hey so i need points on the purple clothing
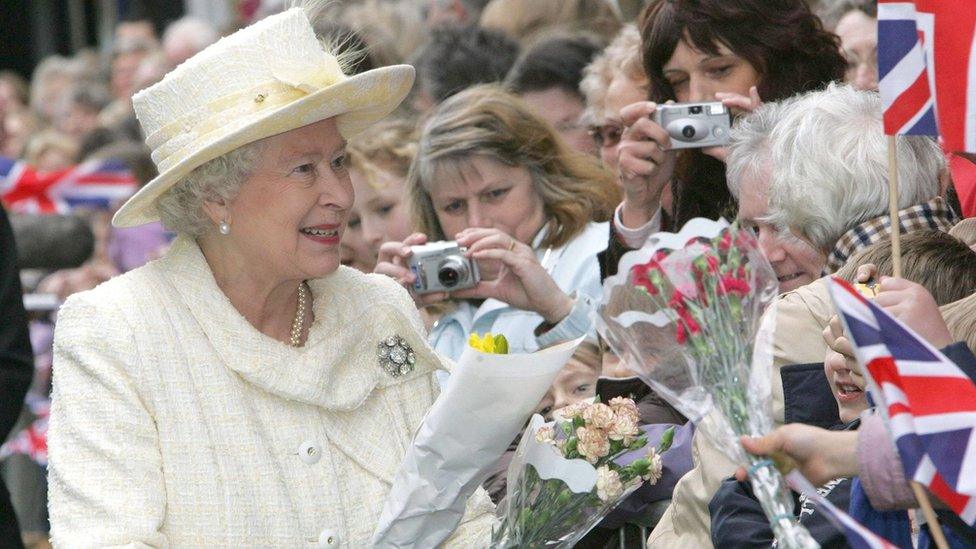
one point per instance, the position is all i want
(132, 247)
(882, 474)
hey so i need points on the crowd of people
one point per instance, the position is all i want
(204, 351)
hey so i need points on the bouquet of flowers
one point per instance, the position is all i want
(479, 412)
(569, 473)
(686, 314)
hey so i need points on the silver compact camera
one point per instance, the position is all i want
(442, 267)
(695, 125)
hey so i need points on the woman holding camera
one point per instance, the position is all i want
(529, 210)
(704, 51)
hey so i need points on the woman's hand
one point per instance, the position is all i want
(738, 104)
(392, 261)
(820, 455)
(645, 164)
(914, 305)
(521, 281)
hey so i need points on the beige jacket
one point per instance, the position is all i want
(801, 316)
(175, 423)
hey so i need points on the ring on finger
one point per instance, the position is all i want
(511, 245)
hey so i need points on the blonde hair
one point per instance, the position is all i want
(488, 121)
(941, 263)
(389, 145)
(589, 354)
(525, 20)
(960, 317)
(622, 56)
(965, 230)
(392, 31)
(46, 140)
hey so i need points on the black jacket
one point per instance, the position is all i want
(738, 519)
(16, 363)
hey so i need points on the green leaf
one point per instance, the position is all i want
(666, 440)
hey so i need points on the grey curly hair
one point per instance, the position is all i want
(181, 207)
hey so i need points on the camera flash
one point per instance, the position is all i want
(716, 109)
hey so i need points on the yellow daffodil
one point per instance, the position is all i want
(492, 344)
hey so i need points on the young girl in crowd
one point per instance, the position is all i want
(378, 164)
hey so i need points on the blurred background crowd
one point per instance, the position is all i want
(548, 90)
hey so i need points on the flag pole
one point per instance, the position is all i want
(920, 495)
(893, 206)
(935, 529)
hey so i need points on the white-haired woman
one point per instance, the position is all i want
(232, 392)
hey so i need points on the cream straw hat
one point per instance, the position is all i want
(268, 78)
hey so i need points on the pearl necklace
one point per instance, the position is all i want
(299, 323)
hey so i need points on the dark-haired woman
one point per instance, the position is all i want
(710, 50)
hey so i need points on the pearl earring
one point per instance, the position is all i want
(224, 228)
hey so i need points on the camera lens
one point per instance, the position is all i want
(688, 131)
(451, 272)
(697, 109)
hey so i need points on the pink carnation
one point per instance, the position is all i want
(592, 444)
(622, 406)
(598, 416)
(572, 411)
(623, 429)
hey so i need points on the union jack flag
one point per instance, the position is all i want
(96, 183)
(858, 537)
(903, 75)
(927, 69)
(31, 440)
(910, 381)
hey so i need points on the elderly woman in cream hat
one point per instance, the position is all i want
(232, 392)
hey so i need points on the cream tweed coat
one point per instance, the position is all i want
(175, 423)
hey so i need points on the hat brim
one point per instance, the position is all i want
(357, 102)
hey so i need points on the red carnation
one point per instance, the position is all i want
(731, 285)
(725, 243)
(679, 334)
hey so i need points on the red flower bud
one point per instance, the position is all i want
(725, 242)
(731, 285)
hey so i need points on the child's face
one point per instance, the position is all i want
(575, 382)
(847, 387)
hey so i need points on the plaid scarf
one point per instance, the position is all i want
(934, 214)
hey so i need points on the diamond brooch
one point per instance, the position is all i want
(396, 357)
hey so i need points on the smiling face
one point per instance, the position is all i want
(289, 215)
(697, 76)
(847, 387)
(796, 262)
(489, 194)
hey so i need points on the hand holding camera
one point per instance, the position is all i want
(645, 163)
(482, 263)
(516, 277)
(393, 260)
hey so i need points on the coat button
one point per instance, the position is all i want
(310, 452)
(328, 538)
